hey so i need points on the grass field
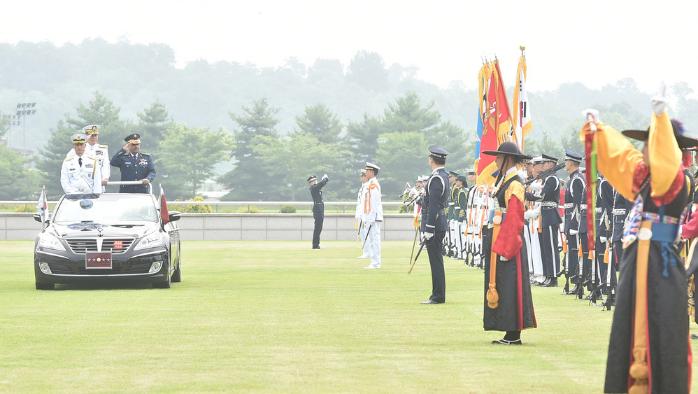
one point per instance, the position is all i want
(263, 316)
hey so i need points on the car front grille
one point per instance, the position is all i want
(138, 265)
(82, 245)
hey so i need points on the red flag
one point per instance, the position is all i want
(164, 213)
(489, 135)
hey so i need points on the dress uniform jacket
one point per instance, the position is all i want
(81, 174)
(134, 167)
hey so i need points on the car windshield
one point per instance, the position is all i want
(107, 209)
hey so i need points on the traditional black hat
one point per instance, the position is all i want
(311, 178)
(133, 138)
(683, 140)
(573, 156)
(438, 152)
(507, 149)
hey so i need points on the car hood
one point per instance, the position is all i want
(125, 230)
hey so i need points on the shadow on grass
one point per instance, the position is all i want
(105, 285)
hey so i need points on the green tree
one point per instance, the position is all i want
(402, 157)
(100, 111)
(367, 69)
(203, 150)
(4, 125)
(319, 121)
(248, 179)
(17, 179)
(153, 122)
(302, 155)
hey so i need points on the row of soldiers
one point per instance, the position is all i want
(555, 230)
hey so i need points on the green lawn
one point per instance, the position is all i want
(263, 316)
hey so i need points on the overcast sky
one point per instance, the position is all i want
(594, 42)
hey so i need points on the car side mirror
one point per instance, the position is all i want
(174, 216)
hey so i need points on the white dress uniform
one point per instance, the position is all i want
(531, 234)
(373, 218)
(359, 219)
(101, 153)
(81, 174)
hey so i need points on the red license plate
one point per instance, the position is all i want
(98, 260)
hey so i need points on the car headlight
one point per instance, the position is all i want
(149, 241)
(48, 241)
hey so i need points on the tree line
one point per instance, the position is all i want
(255, 161)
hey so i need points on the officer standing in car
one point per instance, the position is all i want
(134, 165)
(80, 172)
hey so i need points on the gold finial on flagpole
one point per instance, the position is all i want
(523, 49)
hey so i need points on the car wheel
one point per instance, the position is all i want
(177, 275)
(44, 286)
(165, 283)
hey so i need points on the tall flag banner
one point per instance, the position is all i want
(522, 115)
(42, 205)
(488, 135)
(164, 212)
(502, 118)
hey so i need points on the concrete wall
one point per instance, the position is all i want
(240, 227)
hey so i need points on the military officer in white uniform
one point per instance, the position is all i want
(372, 216)
(80, 172)
(99, 151)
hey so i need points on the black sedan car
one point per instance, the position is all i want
(116, 236)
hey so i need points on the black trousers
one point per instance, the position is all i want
(436, 261)
(548, 251)
(573, 256)
(319, 216)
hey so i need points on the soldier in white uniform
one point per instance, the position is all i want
(372, 216)
(100, 151)
(80, 172)
(359, 214)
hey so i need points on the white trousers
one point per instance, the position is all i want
(372, 248)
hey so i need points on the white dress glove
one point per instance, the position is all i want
(427, 236)
(574, 232)
(659, 103)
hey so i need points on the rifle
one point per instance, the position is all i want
(546, 174)
(414, 242)
(366, 238)
(421, 246)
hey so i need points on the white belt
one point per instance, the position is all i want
(568, 205)
(548, 204)
(619, 211)
(599, 210)
(582, 206)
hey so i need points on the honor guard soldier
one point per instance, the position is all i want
(449, 239)
(461, 210)
(508, 301)
(80, 172)
(550, 220)
(318, 206)
(372, 216)
(602, 217)
(434, 223)
(576, 223)
(134, 165)
(649, 350)
(358, 216)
